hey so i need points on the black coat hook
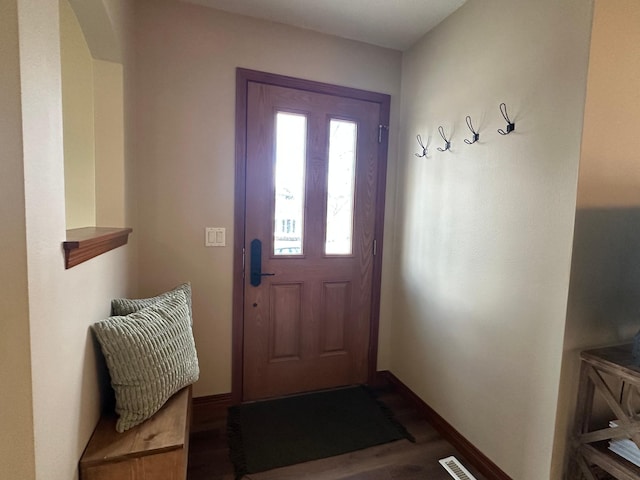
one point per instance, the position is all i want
(476, 135)
(510, 125)
(447, 143)
(425, 150)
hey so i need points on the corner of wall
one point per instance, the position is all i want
(17, 450)
(603, 303)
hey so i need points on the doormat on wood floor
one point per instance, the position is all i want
(276, 433)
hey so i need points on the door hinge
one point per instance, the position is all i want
(375, 247)
(380, 128)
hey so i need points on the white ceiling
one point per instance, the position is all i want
(396, 24)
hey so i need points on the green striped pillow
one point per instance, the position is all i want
(150, 355)
(126, 306)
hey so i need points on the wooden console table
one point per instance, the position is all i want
(591, 446)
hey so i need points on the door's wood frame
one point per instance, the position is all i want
(243, 77)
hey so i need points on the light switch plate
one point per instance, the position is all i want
(215, 237)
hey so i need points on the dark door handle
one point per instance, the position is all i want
(256, 263)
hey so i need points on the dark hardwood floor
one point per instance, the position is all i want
(401, 460)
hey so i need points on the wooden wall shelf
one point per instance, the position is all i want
(83, 244)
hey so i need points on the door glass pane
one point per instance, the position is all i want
(341, 187)
(291, 141)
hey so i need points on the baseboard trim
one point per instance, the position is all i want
(222, 400)
(209, 410)
(464, 446)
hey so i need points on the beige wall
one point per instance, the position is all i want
(108, 99)
(185, 61)
(105, 24)
(604, 303)
(93, 125)
(609, 166)
(78, 123)
(55, 377)
(484, 231)
(17, 457)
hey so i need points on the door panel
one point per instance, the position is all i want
(285, 322)
(336, 302)
(311, 180)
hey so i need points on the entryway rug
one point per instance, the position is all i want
(276, 433)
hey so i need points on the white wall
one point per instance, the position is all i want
(93, 127)
(108, 98)
(184, 107)
(55, 375)
(484, 243)
(78, 122)
(604, 304)
(17, 457)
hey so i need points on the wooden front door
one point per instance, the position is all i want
(311, 207)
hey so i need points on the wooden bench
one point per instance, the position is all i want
(156, 449)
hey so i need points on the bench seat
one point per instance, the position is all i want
(157, 449)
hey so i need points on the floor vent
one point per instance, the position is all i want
(455, 469)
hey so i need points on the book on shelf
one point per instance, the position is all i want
(625, 447)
